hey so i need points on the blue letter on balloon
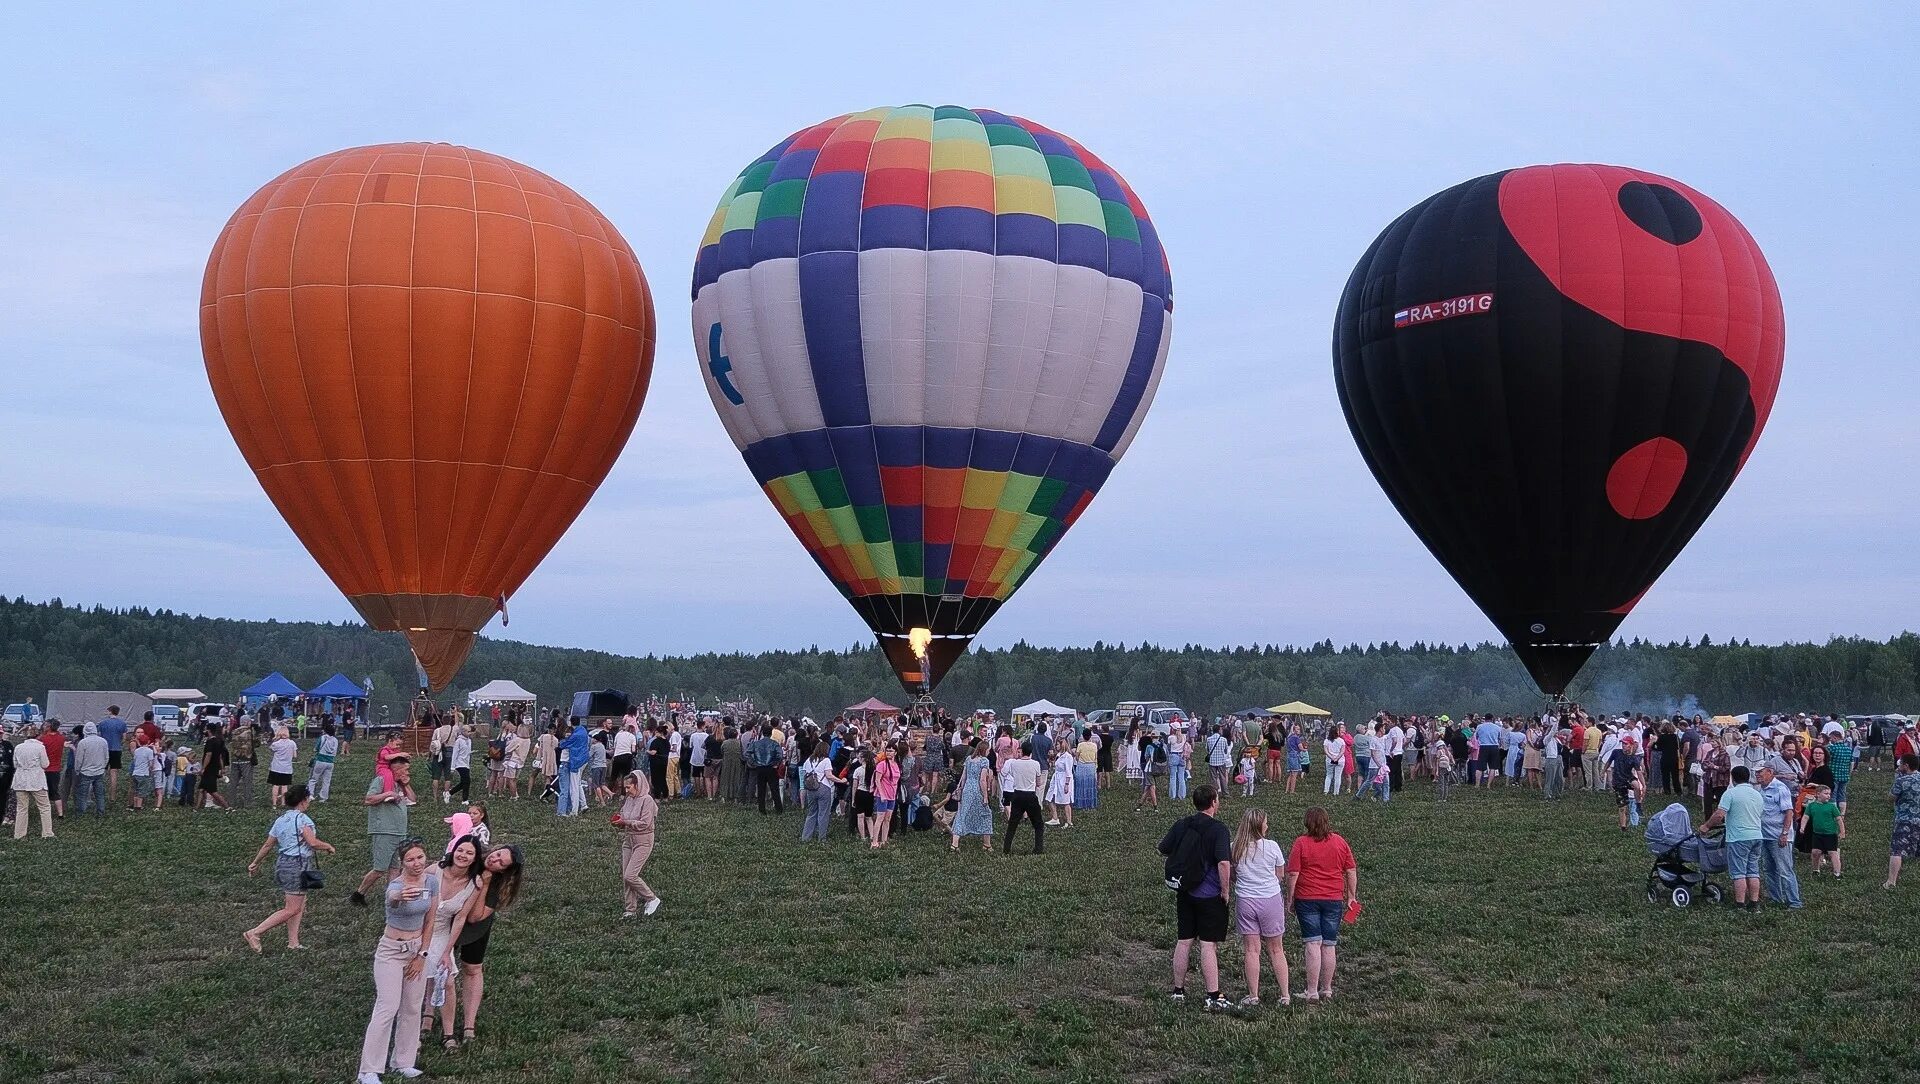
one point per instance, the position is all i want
(720, 366)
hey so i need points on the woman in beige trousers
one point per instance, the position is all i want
(399, 968)
(635, 823)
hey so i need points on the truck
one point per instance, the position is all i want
(75, 706)
(1157, 715)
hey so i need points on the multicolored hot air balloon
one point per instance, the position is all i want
(931, 332)
(430, 356)
(1555, 373)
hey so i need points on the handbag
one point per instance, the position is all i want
(312, 880)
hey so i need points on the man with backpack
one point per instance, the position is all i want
(1199, 870)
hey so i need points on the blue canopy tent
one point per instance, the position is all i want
(274, 684)
(335, 693)
(339, 686)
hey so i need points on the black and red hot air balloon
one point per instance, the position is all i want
(1556, 373)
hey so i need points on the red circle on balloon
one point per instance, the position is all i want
(1642, 482)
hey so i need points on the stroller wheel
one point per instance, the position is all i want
(1713, 893)
(1653, 892)
(1681, 896)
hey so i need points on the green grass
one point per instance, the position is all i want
(1504, 940)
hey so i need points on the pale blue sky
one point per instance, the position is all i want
(1270, 150)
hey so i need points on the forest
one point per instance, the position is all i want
(50, 645)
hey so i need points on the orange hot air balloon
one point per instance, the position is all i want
(430, 356)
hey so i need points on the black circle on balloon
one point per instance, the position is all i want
(1661, 211)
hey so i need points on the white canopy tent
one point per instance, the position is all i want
(177, 694)
(1045, 708)
(501, 691)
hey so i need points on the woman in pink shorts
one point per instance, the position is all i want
(1260, 908)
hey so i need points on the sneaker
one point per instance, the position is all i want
(409, 1072)
(367, 1078)
(628, 914)
(1251, 1001)
(652, 906)
(1178, 997)
(1055, 823)
(1219, 1003)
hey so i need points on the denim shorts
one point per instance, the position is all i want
(1319, 920)
(1743, 858)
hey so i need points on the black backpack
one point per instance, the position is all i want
(1186, 865)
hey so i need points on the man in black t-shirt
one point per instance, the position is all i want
(213, 761)
(1201, 850)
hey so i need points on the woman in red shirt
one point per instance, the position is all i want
(1322, 883)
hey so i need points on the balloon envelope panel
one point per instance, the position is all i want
(1555, 373)
(430, 357)
(931, 332)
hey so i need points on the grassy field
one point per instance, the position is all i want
(1504, 940)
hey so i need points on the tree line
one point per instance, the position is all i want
(50, 645)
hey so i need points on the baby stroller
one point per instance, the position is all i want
(1682, 859)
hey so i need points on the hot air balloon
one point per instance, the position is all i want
(1555, 373)
(430, 356)
(931, 332)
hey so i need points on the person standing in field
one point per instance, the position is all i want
(497, 885)
(1322, 885)
(1334, 749)
(1628, 780)
(1260, 911)
(326, 750)
(241, 741)
(975, 815)
(213, 761)
(460, 757)
(387, 800)
(1179, 761)
(1022, 776)
(280, 764)
(114, 730)
(1741, 809)
(293, 837)
(1904, 843)
(637, 822)
(399, 969)
(1199, 852)
(54, 744)
(1822, 821)
(519, 747)
(1776, 826)
(141, 783)
(90, 760)
(30, 790)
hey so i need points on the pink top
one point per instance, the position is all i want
(886, 780)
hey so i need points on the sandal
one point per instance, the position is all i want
(466, 1036)
(450, 1043)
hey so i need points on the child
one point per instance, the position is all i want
(380, 758)
(482, 831)
(1442, 767)
(1245, 778)
(186, 768)
(1382, 777)
(1827, 826)
(163, 767)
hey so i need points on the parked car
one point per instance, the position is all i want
(1099, 716)
(19, 715)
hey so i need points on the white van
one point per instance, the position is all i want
(1157, 715)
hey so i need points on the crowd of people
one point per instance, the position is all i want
(1779, 790)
